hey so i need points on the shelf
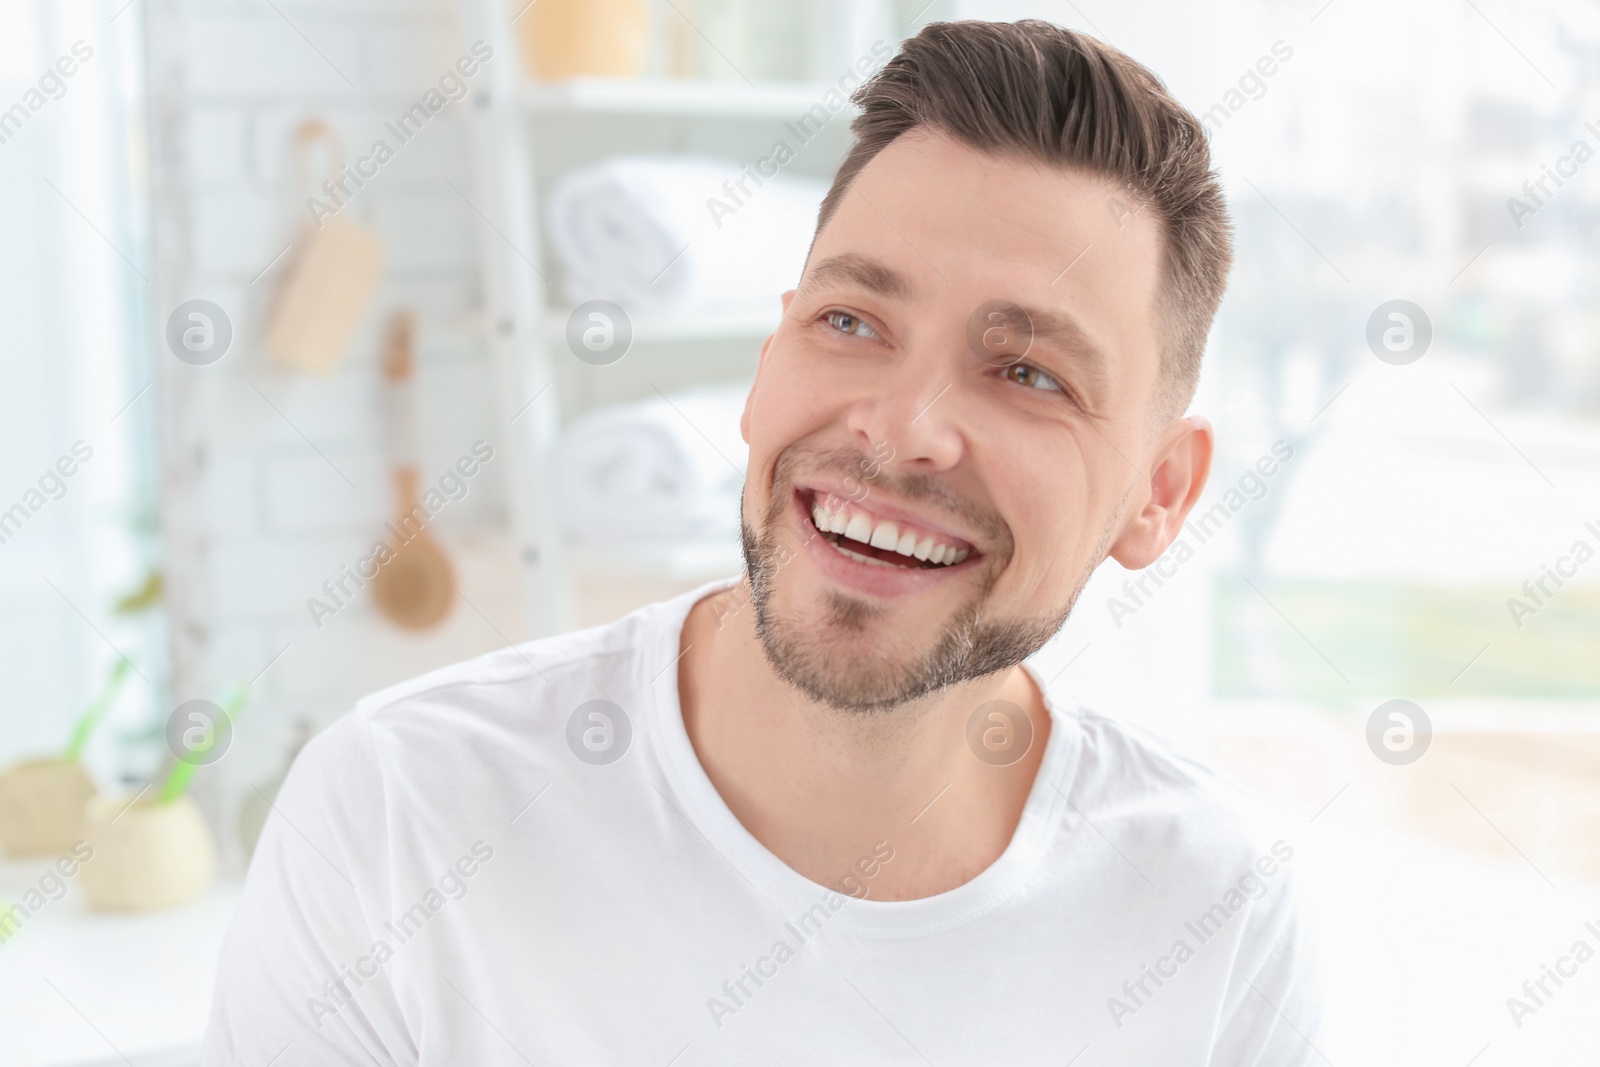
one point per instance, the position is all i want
(674, 96)
(145, 977)
(673, 328)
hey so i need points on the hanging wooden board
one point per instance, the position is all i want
(330, 281)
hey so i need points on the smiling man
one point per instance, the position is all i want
(827, 813)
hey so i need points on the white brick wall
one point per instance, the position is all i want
(256, 519)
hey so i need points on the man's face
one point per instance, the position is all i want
(891, 407)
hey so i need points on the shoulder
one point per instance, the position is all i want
(524, 677)
(486, 724)
(1223, 872)
(1196, 823)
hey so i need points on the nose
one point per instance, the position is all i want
(910, 419)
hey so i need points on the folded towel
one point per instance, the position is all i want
(661, 233)
(669, 469)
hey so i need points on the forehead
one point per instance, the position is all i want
(960, 227)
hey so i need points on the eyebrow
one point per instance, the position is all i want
(854, 268)
(1066, 336)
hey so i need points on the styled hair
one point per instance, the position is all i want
(1039, 91)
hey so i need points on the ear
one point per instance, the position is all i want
(744, 419)
(750, 398)
(1180, 464)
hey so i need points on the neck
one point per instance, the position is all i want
(832, 792)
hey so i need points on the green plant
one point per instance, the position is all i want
(98, 708)
(178, 778)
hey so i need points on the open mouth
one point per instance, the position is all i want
(857, 533)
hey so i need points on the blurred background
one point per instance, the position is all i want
(473, 290)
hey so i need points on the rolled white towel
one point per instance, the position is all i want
(661, 233)
(661, 470)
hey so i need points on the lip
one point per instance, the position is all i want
(899, 516)
(869, 579)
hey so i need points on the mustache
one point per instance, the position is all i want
(794, 463)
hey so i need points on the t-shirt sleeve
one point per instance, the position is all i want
(297, 982)
(1272, 1009)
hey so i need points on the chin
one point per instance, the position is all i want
(842, 652)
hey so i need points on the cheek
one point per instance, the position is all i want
(1046, 504)
(788, 405)
(770, 433)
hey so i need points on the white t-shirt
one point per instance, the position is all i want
(482, 866)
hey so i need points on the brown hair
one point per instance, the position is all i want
(1038, 90)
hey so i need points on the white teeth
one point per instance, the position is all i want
(882, 534)
(863, 559)
(859, 528)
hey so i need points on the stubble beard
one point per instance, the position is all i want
(833, 665)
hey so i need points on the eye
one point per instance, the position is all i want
(1032, 377)
(854, 325)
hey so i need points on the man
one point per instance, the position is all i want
(826, 814)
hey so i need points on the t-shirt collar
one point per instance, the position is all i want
(792, 891)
